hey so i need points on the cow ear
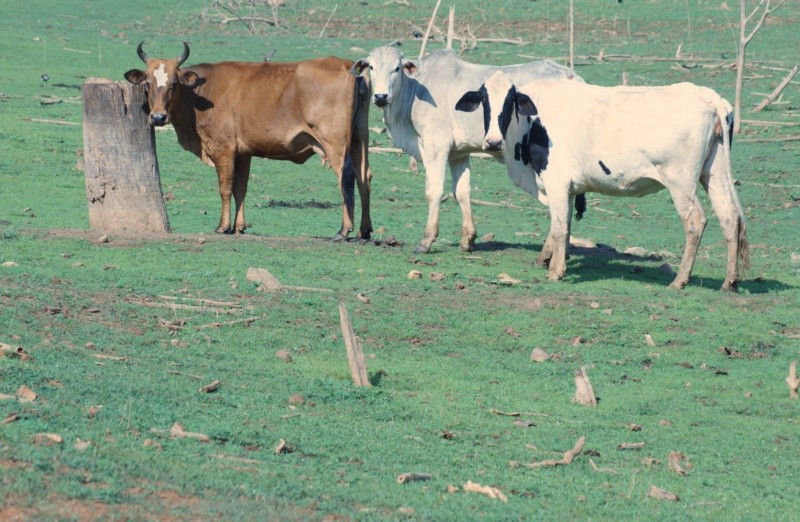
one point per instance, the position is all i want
(525, 106)
(410, 68)
(469, 102)
(358, 67)
(136, 76)
(188, 78)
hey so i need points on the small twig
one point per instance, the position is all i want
(408, 477)
(175, 372)
(327, 22)
(246, 321)
(54, 122)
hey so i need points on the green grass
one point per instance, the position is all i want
(441, 354)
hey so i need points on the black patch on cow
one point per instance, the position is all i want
(534, 148)
(580, 206)
(509, 110)
(605, 169)
(487, 112)
(538, 146)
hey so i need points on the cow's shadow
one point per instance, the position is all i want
(603, 262)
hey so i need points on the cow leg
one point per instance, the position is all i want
(434, 188)
(727, 208)
(554, 250)
(241, 175)
(225, 174)
(364, 182)
(345, 174)
(460, 171)
(694, 222)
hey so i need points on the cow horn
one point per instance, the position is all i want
(182, 58)
(141, 53)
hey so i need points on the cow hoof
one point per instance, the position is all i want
(222, 230)
(678, 285)
(364, 234)
(730, 286)
(422, 249)
(339, 237)
(467, 247)
(555, 277)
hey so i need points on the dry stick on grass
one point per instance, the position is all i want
(355, 356)
(248, 321)
(177, 432)
(793, 381)
(404, 478)
(489, 491)
(327, 22)
(769, 99)
(568, 457)
(428, 30)
(584, 393)
(54, 122)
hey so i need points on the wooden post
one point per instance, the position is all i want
(355, 355)
(123, 186)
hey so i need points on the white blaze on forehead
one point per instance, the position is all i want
(161, 76)
(497, 87)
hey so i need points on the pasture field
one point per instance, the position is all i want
(112, 368)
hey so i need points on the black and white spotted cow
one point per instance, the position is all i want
(573, 137)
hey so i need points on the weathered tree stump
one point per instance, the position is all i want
(123, 185)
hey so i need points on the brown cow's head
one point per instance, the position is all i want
(161, 80)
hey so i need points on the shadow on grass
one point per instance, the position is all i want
(587, 264)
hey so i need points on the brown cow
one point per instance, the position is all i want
(228, 112)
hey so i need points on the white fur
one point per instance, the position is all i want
(422, 120)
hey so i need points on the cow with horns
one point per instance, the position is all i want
(225, 113)
(620, 141)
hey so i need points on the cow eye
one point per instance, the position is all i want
(397, 69)
(371, 68)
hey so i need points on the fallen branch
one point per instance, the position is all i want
(505, 414)
(210, 387)
(404, 478)
(248, 321)
(568, 457)
(355, 355)
(769, 99)
(177, 432)
(179, 306)
(54, 122)
(494, 204)
(327, 22)
(795, 137)
(489, 491)
(175, 372)
(598, 469)
(209, 302)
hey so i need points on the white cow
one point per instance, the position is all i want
(418, 98)
(622, 141)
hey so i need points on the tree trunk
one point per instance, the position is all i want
(123, 185)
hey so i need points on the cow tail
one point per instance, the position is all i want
(725, 115)
(349, 169)
(580, 206)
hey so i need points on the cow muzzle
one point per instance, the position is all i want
(493, 145)
(158, 118)
(381, 100)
